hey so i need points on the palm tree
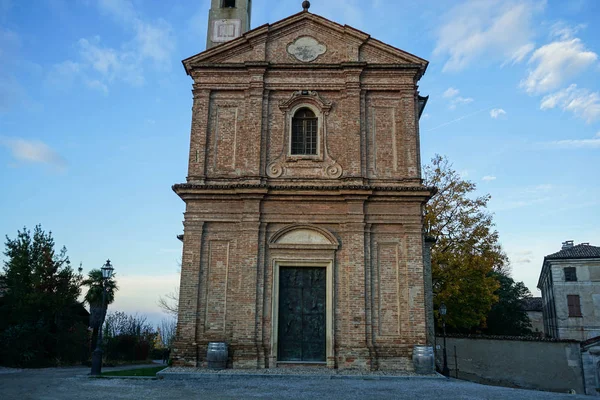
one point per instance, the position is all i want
(94, 298)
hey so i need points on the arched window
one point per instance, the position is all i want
(304, 132)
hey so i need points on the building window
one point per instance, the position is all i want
(570, 274)
(574, 305)
(228, 4)
(304, 133)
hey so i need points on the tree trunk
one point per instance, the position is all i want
(94, 339)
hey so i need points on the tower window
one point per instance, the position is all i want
(228, 4)
(304, 132)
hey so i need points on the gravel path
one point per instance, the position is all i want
(304, 371)
(72, 383)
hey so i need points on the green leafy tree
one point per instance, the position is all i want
(466, 249)
(93, 297)
(40, 317)
(507, 316)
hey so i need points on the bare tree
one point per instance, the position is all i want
(169, 303)
(167, 328)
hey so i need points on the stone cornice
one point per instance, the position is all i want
(180, 188)
(268, 65)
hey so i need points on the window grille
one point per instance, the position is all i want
(304, 133)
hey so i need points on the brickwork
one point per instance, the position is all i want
(355, 207)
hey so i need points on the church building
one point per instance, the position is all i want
(303, 236)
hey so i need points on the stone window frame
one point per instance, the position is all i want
(570, 274)
(312, 101)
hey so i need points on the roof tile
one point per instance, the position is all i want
(578, 251)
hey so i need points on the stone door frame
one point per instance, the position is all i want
(329, 336)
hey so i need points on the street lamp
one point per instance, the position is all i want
(107, 271)
(443, 310)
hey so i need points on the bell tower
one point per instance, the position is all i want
(227, 20)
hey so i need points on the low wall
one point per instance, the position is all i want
(542, 365)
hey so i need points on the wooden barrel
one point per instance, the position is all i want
(216, 355)
(423, 359)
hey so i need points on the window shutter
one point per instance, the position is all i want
(574, 305)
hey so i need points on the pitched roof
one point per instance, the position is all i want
(532, 304)
(266, 29)
(583, 250)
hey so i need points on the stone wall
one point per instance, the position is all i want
(590, 359)
(543, 365)
(587, 287)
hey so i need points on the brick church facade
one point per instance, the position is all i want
(303, 225)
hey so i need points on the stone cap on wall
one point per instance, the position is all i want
(502, 337)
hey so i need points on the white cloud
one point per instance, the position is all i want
(544, 187)
(458, 101)
(563, 31)
(520, 54)
(555, 63)
(104, 60)
(109, 64)
(598, 135)
(122, 10)
(455, 100)
(497, 112)
(153, 41)
(450, 92)
(33, 151)
(576, 143)
(493, 30)
(97, 85)
(100, 65)
(581, 102)
(488, 178)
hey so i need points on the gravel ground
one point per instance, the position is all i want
(72, 383)
(322, 371)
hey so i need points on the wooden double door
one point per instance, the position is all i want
(302, 318)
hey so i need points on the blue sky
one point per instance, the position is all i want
(95, 110)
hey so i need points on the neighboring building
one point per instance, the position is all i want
(303, 225)
(533, 308)
(570, 285)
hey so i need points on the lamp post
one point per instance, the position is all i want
(107, 270)
(443, 311)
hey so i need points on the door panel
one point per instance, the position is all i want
(302, 314)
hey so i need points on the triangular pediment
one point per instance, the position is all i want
(304, 38)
